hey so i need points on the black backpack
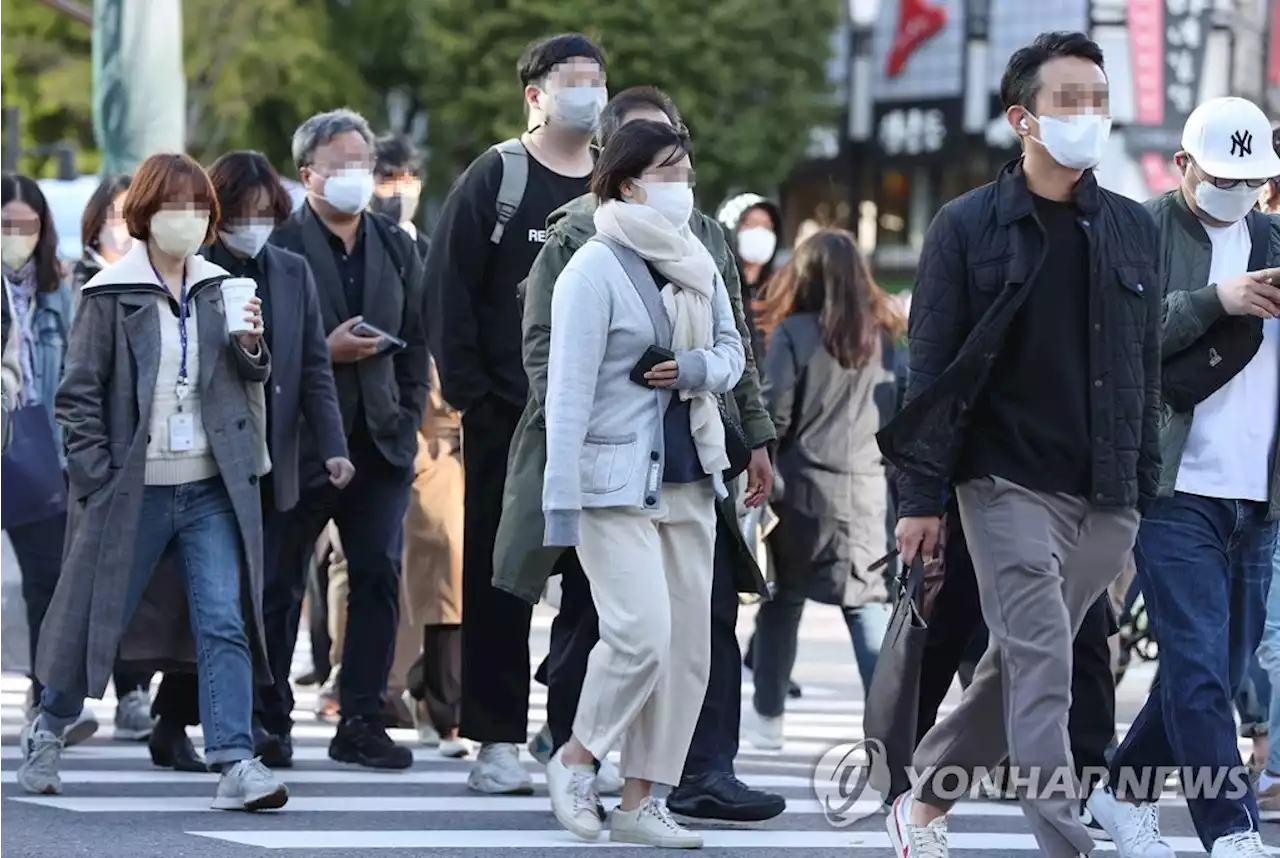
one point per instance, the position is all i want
(1197, 372)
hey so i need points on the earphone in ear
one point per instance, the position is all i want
(1023, 124)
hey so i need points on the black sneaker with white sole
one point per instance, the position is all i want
(364, 742)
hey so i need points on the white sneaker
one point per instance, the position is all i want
(82, 729)
(911, 840)
(608, 779)
(768, 734)
(428, 736)
(498, 771)
(1134, 828)
(41, 754)
(249, 785)
(1246, 844)
(573, 797)
(455, 748)
(133, 717)
(650, 824)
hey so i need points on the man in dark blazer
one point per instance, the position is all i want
(369, 280)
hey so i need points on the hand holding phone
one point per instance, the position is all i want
(652, 360)
(386, 342)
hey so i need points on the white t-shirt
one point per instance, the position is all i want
(1233, 431)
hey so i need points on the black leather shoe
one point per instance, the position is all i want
(723, 798)
(171, 749)
(365, 742)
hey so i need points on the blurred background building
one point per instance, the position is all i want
(924, 123)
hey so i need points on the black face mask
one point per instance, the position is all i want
(399, 207)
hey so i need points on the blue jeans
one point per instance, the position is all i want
(777, 629)
(1204, 566)
(1253, 700)
(200, 519)
(1269, 658)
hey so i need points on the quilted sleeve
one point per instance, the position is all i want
(1149, 462)
(936, 330)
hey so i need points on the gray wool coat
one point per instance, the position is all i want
(104, 405)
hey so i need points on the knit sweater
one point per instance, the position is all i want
(166, 467)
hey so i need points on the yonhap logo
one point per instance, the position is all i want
(843, 778)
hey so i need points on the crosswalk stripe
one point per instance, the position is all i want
(552, 839)
(426, 804)
(441, 777)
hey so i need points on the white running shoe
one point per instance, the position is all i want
(573, 796)
(133, 717)
(41, 755)
(1246, 844)
(498, 771)
(767, 736)
(651, 824)
(915, 841)
(249, 785)
(1134, 828)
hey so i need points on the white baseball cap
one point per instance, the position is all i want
(1230, 138)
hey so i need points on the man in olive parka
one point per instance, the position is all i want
(522, 564)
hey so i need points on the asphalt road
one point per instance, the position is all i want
(116, 804)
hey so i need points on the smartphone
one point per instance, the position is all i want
(652, 356)
(390, 343)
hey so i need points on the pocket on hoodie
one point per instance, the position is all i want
(606, 462)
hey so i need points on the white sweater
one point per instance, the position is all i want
(166, 467)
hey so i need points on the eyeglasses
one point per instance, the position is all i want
(1228, 184)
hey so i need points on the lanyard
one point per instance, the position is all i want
(183, 382)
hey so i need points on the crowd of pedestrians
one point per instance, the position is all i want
(251, 412)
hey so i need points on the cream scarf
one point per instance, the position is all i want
(681, 258)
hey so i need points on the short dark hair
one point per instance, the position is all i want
(98, 207)
(631, 151)
(540, 57)
(395, 154)
(636, 98)
(23, 189)
(1021, 82)
(236, 176)
(160, 180)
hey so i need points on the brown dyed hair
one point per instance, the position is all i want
(99, 205)
(168, 178)
(828, 276)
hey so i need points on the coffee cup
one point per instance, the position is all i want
(236, 292)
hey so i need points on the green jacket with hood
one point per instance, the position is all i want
(1191, 306)
(522, 564)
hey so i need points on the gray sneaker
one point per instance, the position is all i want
(249, 785)
(41, 753)
(133, 717)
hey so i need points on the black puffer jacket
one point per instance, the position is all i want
(982, 252)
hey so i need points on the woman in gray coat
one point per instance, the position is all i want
(155, 407)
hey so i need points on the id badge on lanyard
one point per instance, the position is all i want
(182, 423)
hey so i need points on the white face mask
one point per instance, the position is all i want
(756, 244)
(179, 233)
(349, 190)
(1076, 142)
(1226, 204)
(114, 241)
(247, 239)
(16, 249)
(579, 107)
(672, 200)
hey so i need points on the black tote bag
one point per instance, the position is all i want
(893, 700)
(34, 485)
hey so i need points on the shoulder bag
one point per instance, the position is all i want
(1197, 372)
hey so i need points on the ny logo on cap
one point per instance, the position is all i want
(1241, 144)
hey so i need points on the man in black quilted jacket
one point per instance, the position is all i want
(1033, 395)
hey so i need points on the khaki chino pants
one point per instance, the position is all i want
(650, 576)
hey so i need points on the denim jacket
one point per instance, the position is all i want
(51, 327)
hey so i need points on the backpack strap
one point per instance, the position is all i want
(515, 175)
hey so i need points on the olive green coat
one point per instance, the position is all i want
(521, 563)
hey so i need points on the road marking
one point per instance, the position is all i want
(314, 841)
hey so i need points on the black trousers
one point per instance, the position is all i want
(177, 701)
(369, 514)
(436, 678)
(317, 589)
(495, 634)
(575, 631)
(956, 630)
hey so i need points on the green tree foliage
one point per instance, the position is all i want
(45, 72)
(749, 77)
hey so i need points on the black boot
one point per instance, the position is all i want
(276, 751)
(171, 749)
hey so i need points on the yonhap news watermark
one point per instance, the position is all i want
(855, 780)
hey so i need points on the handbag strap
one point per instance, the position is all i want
(911, 581)
(1260, 235)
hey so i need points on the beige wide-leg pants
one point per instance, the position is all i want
(650, 575)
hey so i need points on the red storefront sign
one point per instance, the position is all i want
(918, 22)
